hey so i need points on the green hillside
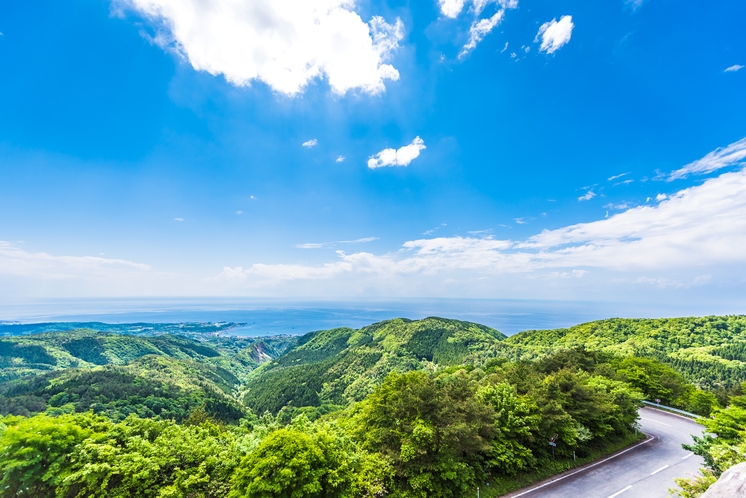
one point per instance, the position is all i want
(339, 366)
(34, 354)
(710, 351)
(432, 407)
(164, 376)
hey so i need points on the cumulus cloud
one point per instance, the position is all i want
(733, 68)
(283, 43)
(555, 34)
(686, 234)
(310, 143)
(451, 8)
(397, 157)
(340, 159)
(731, 155)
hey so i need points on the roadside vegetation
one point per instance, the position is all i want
(428, 408)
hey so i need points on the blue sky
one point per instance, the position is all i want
(510, 149)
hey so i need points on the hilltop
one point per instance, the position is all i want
(710, 351)
(339, 366)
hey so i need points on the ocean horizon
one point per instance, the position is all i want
(274, 317)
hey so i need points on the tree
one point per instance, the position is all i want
(433, 429)
(35, 452)
(291, 463)
(512, 424)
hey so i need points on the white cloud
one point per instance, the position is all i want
(340, 159)
(661, 197)
(634, 4)
(623, 182)
(319, 245)
(451, 8)
(401, 157)
(178, 219)
(684, 238)
(43, 267)
(731, 155)
(554, 34)
(587, 196)
(616, 177)
(310, 143)
(283, 43)
(479, 29)
(733, 68)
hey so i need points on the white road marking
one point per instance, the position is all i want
(651, 420)
(690, 454)
(583, 469)
(620, 492)
(656, 471)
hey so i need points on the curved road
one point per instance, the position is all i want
(645, 471)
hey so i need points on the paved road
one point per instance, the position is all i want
(646, 471)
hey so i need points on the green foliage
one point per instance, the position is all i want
(708, 351)
(514, 417)
(34, 354)
(35, 452)
(433, 429)
(694, 487)
(293, 463)
(401, 408)
(148, 387)
(341, 366)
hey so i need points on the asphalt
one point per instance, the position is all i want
(645, 471)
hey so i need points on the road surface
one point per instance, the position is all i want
(646, 471)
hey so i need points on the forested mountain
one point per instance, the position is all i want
(339, 366)
(400, 408)
(710, 351)
(39, 353)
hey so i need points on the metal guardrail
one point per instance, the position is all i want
(676, 410)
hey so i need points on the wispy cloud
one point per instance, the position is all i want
(555, 34)
(283, 44)
(634, 4)
(433, 230)
(615, 177)
(319, 245)
(685, 237)
(178, 219)
(733, 68)
(310, 143)
(397, 157)
(587, 196)
(478, 30)
(41, 266)
(340, 159)
(624, 182)
(732, 155)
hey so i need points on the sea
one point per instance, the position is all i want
(275, 317)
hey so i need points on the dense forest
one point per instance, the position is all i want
(400, 408)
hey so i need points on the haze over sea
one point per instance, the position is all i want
(271, 317)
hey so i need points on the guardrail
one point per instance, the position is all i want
(669, 408)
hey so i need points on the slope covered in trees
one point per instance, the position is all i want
(436, 433)
(339, 366)
(401, 408)
(710, 351)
